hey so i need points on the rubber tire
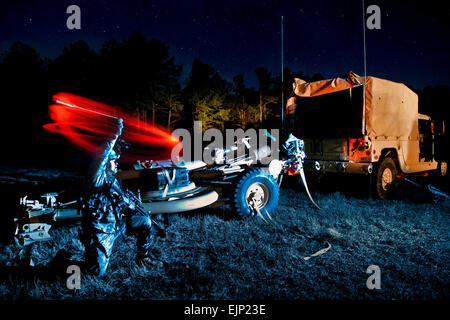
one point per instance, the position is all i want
(386, 163)
(442, 169)
(239, 202)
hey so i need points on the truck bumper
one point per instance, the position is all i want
(338, 166)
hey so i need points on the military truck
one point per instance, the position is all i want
(366, 126)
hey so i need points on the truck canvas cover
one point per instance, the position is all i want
(390, 110)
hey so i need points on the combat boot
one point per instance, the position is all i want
(148, 261)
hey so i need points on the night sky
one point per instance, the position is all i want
(238, 36)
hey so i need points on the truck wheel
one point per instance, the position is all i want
(256, 194)
(386, 178)
(442, 169)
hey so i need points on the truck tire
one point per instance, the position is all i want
(385, 179)
(256, 191)
(442, 169)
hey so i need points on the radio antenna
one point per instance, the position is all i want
(282, 79)
(365, 66)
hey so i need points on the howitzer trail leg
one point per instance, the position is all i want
(303, 178)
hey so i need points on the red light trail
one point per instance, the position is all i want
(88, 124)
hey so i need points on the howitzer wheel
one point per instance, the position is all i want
(256, 195)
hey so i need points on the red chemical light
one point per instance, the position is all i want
(88, 124)
(403, 175)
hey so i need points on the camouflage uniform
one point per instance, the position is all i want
(106, 216)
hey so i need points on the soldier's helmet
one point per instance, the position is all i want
(114, 155)
(117, 150)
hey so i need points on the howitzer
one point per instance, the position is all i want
(247, 179)
(40, 215)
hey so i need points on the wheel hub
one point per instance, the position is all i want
(387, 178)
(257, 195)
(443, 168)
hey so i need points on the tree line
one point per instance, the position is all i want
(139, 75)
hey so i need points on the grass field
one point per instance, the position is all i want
(209, 255)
